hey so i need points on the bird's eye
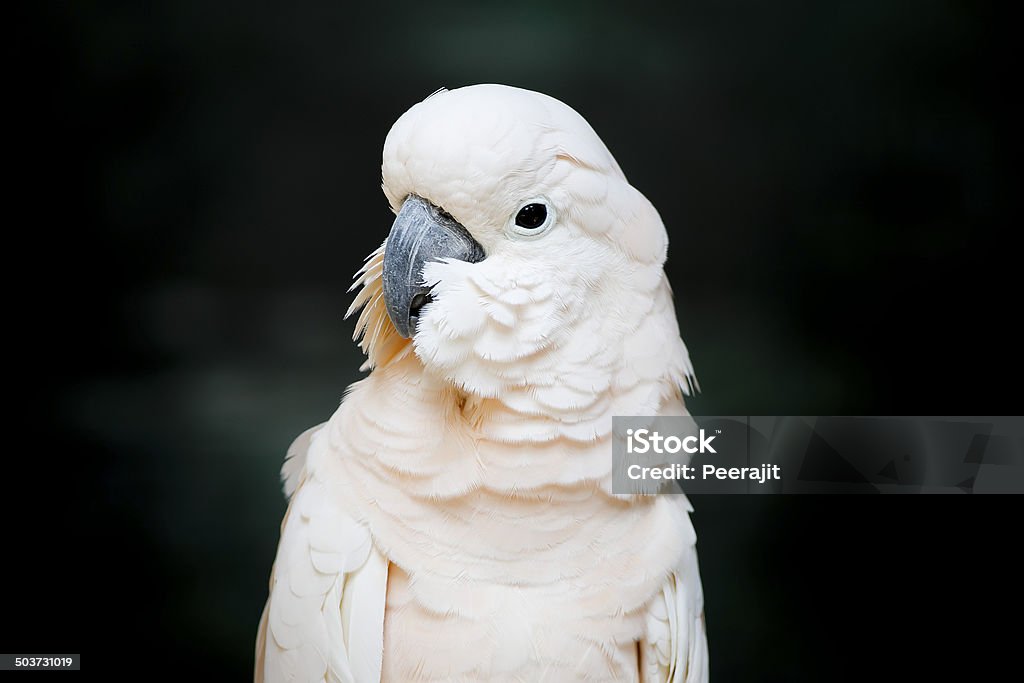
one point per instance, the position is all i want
(533, 219)
(532, 216)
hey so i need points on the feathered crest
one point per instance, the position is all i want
(375, 333)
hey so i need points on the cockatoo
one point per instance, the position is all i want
(454, 519)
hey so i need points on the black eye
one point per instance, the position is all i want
(531, 216)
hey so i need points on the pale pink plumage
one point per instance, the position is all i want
(453, 520)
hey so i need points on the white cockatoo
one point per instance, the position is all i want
(454, 520)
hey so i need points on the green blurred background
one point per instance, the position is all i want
(198, 181)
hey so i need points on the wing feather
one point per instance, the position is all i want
(363, 603)
(675, 649)
(324, 619)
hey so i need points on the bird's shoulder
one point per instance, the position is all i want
(295, 459)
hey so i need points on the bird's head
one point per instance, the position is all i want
(519, 250)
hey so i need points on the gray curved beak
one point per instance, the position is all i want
(420, 234)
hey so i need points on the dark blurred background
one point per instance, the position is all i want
(194, 183)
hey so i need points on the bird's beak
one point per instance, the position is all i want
(421, 233)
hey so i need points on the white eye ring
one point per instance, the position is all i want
(519, 224)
